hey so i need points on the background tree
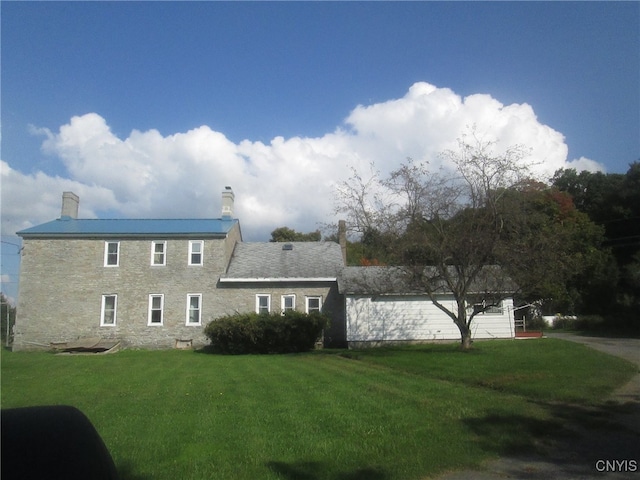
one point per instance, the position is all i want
(562, 258)
(475, 230)
(443, 229)
(613, 202)
(286, 234)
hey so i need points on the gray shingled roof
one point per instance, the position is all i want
(397, 280)
(281, 261)
(374, 280)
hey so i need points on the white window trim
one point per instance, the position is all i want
(260, 295)
(106, 254)
(164, 253)
(310, 297)
(191, 243)
(282, 300)
(149, 322)
(491, 310)
(115, 310)
(189, 296)
(495, 309)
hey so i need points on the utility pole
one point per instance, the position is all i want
(7, 306)
(8, 328)
(5, 299)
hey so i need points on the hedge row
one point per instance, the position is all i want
(265, 333)
(581, 322)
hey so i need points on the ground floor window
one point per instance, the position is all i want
(109, 308)
(263, 303)
(194, 307)
(314, 304)
(156, 309)
(288, 303)
(484, 308)
(495, 309)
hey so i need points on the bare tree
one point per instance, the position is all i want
(446, 225)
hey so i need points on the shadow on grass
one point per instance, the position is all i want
(126, 472)
(568, 443)
(418, 349)
(319, 471)
(207, 349)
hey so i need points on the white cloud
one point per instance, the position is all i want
(587, 164)
(28, 200)
(286, 182)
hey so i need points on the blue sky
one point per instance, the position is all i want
(147, 109)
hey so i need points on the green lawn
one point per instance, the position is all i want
(377, 414)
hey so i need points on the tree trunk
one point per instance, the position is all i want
(465, 343)
(465, 331)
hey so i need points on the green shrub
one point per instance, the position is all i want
(536, 323)
(266, 333)
(589, 322)
(581, 322)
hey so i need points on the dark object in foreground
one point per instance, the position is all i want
(53, 442)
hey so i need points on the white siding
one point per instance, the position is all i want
(394, 318)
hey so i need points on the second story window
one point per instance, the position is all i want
(158, 253)
(196, 248)
(111, 254)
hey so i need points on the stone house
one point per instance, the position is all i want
(154, 283)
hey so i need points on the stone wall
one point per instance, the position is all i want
(241, 298)
(62, 282)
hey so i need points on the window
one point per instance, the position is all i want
(481, 308)
(494, 309)
(156, 307)
(314, 304)
(111, 254)
(109, 307)
(263, 303)
(195, 252)
(194, 305)
(158, 253)
(288, 303)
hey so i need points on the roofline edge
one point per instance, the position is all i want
(276, 279)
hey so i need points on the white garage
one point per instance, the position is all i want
(374, 317)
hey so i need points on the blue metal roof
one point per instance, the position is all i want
(69, 227)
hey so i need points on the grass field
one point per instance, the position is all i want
(405, 413)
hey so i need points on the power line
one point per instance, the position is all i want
(11, 243)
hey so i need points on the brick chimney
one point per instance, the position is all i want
(227, 202)
(70, 202)
(342, 239)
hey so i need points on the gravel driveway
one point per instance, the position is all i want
(612, 432)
